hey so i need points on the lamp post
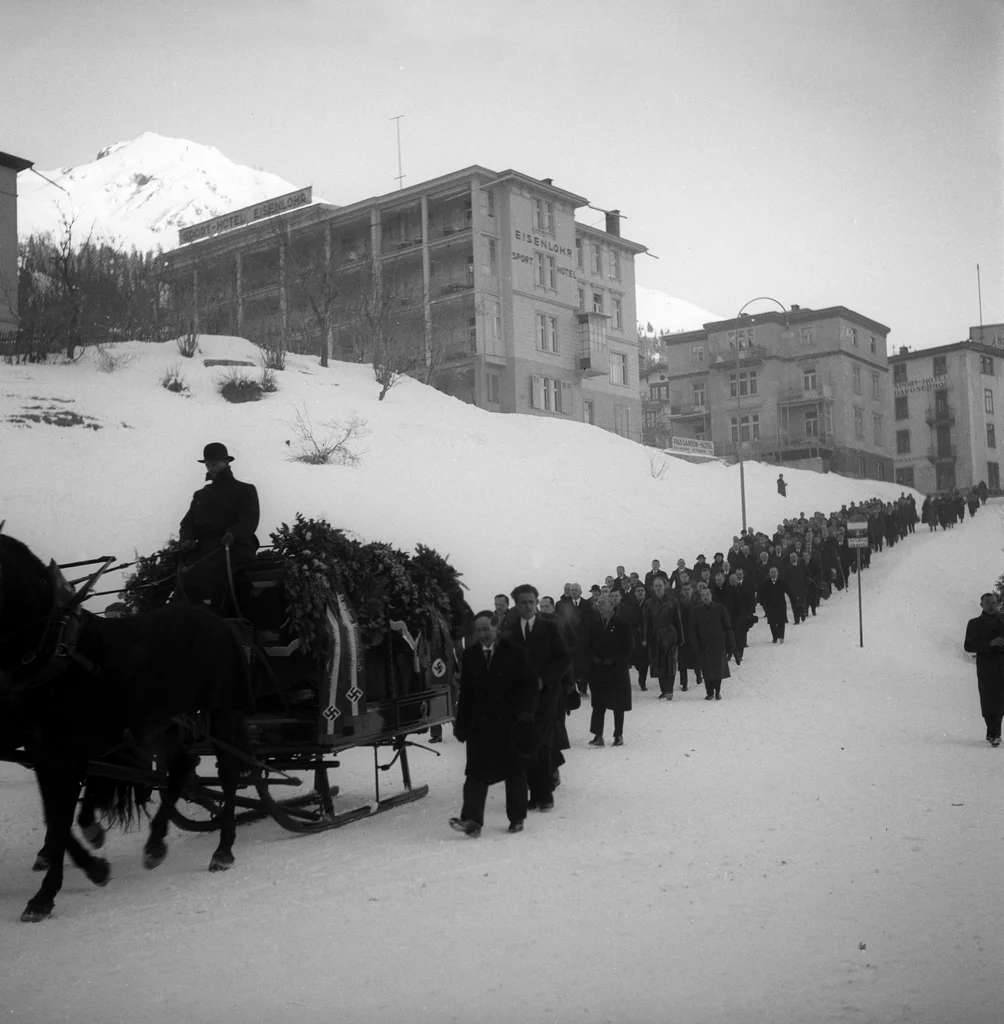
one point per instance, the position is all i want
(739, 400)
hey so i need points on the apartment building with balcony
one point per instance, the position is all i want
(505, 299)
(10, 166)
(806, 388)
(945, 403)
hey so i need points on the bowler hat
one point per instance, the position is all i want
(214, 451)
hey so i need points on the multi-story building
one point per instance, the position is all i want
(503, 299)
(806, 388)
(10, 166)
(945, 412)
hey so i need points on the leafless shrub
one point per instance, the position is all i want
(109, 361)
(238, 386)
(188, 343)
(273, 355)
(657, 465)
(172, 380)
(268, 381)
(335, 445)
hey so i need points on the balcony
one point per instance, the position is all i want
(940, 416)
(688, 410)
(942, 453)
(594, 356)
(805, 396)
(730, 450)
(752, 355)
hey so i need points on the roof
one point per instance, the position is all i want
(15, 163)
(793, 316)
(955, 346)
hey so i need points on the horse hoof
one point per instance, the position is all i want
(42, 863)
(221, 862)
(153, 856)
(35, 913)
(95, 835)
(100, 871)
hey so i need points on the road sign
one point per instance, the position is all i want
(857, 542)
(857, 526)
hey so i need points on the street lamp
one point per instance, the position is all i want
(739, 401)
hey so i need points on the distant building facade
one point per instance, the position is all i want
(945, 412)
(809, 388)
(506, 301)
(10, 166)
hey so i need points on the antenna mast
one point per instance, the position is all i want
(400, 174)
(979, 296)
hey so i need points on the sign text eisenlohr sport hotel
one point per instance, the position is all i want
(248, 215)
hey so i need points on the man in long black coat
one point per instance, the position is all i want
(662, 637)
(775, 607)
(713, 641)
(610, 644)
(735, 604)
(575, 613)
(223, 515)
(985, 639)
(495, 718)
(541, 640)
(796, 583)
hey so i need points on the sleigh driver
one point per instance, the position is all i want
(223, 517)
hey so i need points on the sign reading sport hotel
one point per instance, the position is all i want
(907, 387)
(248, 215)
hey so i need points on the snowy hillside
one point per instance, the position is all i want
(139, 193)
(505, 496)
(668, 314)
(820, 845)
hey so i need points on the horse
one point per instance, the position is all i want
(79, 687)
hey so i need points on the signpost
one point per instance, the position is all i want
(857, 537)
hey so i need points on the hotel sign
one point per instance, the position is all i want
(924, 384)
(248, 215)
(692, 446)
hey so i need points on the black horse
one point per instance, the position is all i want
(79, 688)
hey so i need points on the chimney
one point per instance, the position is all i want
(795, 308)
(614, 222)
(904, 350)
(547, 181)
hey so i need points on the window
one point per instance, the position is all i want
(741, 340)
(543, 215)
(659, 392)
(876, 387)
(991, 436)
(618, 305)
(747, 383)
(828, 421)
(615, 264)
(547, 273)
(904, 477)
(860, 463)
(582, 299)
(597, 259)
(879, 470)
(492, 388)
(807, 335)
(859, 424)
(493, 256)
(877, 428)
(472, 334)
(588, 414)
(490, 193)
(547, 333)
(618, 368)
(987, 365)
(852, 333)
(697, 353)
(597, 302)
(871, 344)
(622, 420)
(856, 379)
(939, 366)
(578, 253)
(495, 319)
(700, 395)
(993, 476)
(809, 379)
(470, 271)
(988, 400)
(899, 373)
(811, 424)
(902, 407)
(750, 428)
(550, 395)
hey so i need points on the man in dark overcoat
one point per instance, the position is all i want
(575, 612)
(495, 718)
(663, 634)
(223, 516)
(985, 639)
(632, 611)
(775, 607)
(713, 640)
(813, 578)
(610, 644)
(795, 581)
(735, 605)
(541, 640)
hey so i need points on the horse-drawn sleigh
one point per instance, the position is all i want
(133, 705)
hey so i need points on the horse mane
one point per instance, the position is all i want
(21, 572)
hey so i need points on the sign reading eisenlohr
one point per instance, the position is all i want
(247, 215)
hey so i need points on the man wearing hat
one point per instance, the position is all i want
(223, 515)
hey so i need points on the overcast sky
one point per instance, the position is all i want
(825, 152)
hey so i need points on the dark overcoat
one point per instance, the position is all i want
(663, 633)
(492, 699)
(549, 658)
(574, 619)
(795, 580)
(224, 505)
(989, 668)
(633, 614)
(610, 646)
(735, 605)
(713, 639)
(772, 597)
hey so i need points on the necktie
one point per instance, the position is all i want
(488, 656)
(526, 629)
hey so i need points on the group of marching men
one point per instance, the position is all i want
(531, 661)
